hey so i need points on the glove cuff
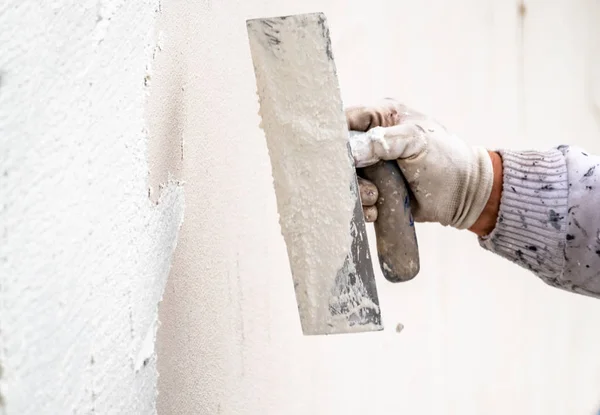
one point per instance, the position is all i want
(477, 189)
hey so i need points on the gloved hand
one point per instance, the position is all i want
(450, 181)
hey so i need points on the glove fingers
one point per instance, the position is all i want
(368, 192)
(386, 113)
(368, 197)
(397, 142)
(402, 141)
(364, 118)
(370, 213)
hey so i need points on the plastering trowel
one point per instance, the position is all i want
(316, 184)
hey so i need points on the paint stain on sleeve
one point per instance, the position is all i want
(555, 219)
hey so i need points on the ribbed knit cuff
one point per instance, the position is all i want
(474, 196)
(531, 227)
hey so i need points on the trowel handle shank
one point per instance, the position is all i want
(395, 229)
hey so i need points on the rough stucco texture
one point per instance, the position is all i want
(481, 335)
(84, 254)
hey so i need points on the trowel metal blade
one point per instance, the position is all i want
(302, 114)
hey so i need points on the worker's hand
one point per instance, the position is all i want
(450, 181)
(368, 196)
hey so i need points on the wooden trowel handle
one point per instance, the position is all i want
(395, 229)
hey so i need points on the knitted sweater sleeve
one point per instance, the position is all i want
(549, 218)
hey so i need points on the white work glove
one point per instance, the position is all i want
(450, 182)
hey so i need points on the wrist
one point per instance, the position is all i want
(486, 222)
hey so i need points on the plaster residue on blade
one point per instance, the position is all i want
(304, 124)
(354, 298)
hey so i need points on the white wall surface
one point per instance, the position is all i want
(482, 336)
(84, 254)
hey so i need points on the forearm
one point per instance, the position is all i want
(489, 216)
(582, 250)
(546, 217)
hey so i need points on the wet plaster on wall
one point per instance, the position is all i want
(230, 340)
(166, 79)
(84, 255)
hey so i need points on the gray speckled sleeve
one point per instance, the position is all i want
(549, 219)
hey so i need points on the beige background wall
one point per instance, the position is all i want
(482, 336)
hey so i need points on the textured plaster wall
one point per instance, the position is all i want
(84, 253)
(481, 335)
